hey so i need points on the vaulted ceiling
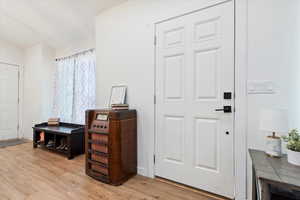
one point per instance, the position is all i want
(54, 22)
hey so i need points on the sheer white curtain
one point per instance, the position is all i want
(84, 85)
(75, 87)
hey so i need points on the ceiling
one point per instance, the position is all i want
(58, 23)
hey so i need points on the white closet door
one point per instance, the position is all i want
(9, 90)
(195, 66)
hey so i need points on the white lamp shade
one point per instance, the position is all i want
(274, 120)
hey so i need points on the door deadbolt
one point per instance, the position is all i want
(227, 95)
(226, 109)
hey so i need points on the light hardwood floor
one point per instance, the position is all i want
(27, 173)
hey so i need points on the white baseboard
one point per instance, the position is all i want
(240, 198)
(142, 171)
(27, 138)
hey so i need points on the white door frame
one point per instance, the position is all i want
(240, 128)
(20, 92)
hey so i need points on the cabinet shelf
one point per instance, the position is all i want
(98, 142)
(97, 132)
(98, 153)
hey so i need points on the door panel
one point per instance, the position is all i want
(174, 77)
(9, 90)
(206, 74)
(209, 159)
(174, 37)
(174, 128)
(194, 67)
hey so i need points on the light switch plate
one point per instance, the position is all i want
(261, 87)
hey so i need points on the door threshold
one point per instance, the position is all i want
(192, 189)
(12, 142)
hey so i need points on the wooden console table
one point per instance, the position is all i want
(73, 134)
(274, 178)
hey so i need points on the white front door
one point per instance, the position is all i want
(194, 68)
(9, 94)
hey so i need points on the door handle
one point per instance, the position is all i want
(225, 109)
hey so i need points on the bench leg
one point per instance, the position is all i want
(69, 144)
(34, 140)
(70, 157)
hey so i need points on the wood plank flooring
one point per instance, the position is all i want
(27, 173)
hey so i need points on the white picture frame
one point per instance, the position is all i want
(118, 95)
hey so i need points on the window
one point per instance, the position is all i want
(75, 87)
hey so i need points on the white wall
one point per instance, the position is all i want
(273, 54)
(10, 53)
(124, 43)
(47, 85)
(38, 86)
(75, 47)
(125, 55)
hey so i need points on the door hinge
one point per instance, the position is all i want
(154, 99)
(155, 40)
(154, 160)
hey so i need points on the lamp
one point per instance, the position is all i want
(273, 121)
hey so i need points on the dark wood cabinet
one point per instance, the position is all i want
(111, 145)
